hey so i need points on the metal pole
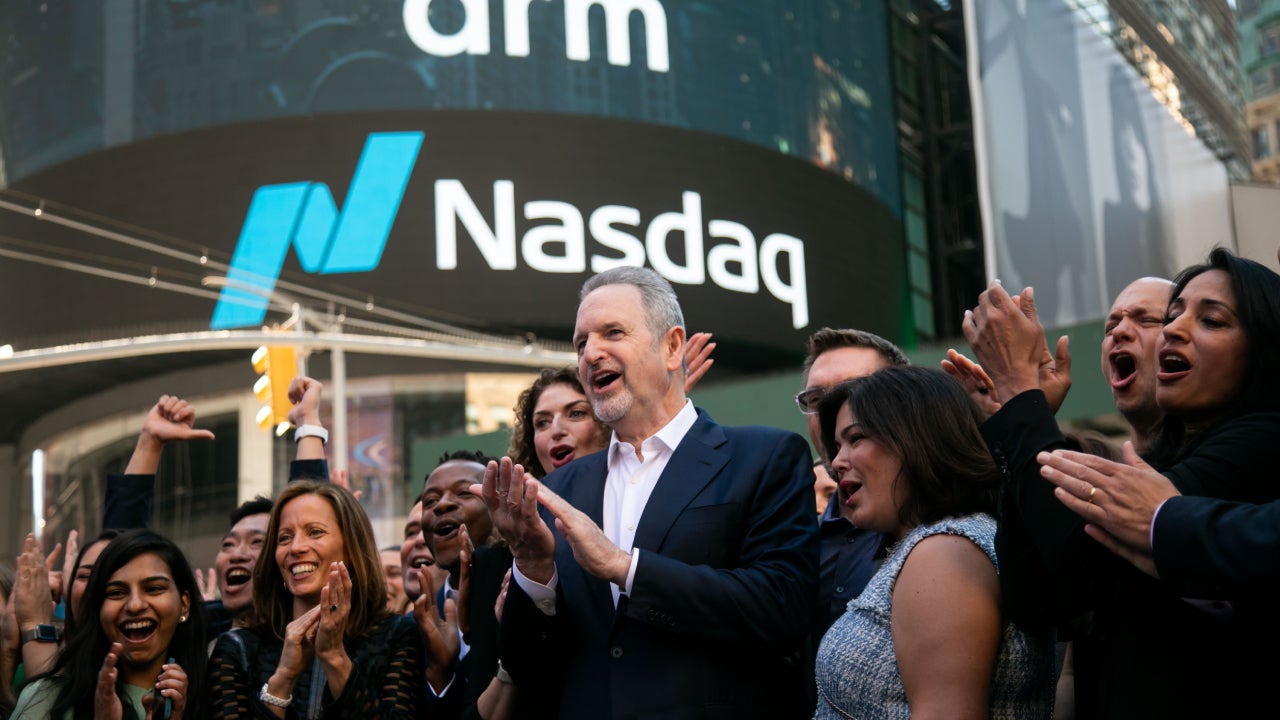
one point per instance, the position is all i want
(338, 364)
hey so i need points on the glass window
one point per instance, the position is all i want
(1269, 39)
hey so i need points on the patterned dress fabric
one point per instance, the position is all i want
(857, 669)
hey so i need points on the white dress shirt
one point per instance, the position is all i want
(627, 488)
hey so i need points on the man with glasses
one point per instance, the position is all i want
(847, 555)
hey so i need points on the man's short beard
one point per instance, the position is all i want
(614, 408)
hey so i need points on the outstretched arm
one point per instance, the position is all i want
(309, 463)
(129, 496)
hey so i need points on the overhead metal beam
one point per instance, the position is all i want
(530, 355)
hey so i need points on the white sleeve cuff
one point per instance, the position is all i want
(631, 574)
(544, 596)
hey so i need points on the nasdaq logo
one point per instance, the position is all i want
(303, 216)
(566, 238)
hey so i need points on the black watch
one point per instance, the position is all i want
(43, 632)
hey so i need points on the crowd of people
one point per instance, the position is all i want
(951, 552)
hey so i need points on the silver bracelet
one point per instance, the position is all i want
(270, 699)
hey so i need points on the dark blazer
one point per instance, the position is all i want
(1149, 653)
(1218, 549)
(721, 601)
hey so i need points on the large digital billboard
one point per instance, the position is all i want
(487, 219)
(806, 78)
(463, 161)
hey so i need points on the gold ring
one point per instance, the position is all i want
(1092, 490)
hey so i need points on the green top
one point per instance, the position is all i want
(37, 699)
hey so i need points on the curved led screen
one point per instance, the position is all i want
(492, 218)
(806, 78)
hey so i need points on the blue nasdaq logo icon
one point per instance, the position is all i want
(325, 239)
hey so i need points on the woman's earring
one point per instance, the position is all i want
(182, 618)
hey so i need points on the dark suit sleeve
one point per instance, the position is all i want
(1218, 549)
(767, 600)
(128, 501)
(1236, 460)
(317, 470)
(1044, 555)
(532, 650)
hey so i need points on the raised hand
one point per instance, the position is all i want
(304, 393)
(439, 634)
(975, 381)
(1055, 373)
(335, 606)
(511, 495)
(464, 580)
(1007, 339)
(502, 596)
(171, 418)
(298, 648)
(593, 550)
(342, 479)
(697, 358)
(1119, 500)
(106, 704)
(33, 599)
(69, 557)
(207, 582)
(172, 684)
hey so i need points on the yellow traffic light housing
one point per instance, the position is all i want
(276, 366)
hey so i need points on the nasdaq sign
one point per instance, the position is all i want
(304, 215)
(681, 244)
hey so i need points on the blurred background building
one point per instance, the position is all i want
(1260, 63)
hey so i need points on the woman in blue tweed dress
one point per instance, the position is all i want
(926, 638)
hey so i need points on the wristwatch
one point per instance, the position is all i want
(311, 431)
(43, 632)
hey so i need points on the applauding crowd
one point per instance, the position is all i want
(631, 557)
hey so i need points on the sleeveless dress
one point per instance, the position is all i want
(857, 669)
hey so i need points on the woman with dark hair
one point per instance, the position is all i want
(1149, 653)
(324, 644)
(926, 638)
(1225, 315)
(144, 653)
(554, 424)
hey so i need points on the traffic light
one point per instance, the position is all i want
(276, 366)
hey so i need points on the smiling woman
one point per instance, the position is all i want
(147, 649)
(554, 423)
(324, 642)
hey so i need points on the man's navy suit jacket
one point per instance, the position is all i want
(721, 601)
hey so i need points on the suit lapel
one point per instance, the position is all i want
(697, 460)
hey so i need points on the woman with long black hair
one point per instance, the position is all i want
(138, 647)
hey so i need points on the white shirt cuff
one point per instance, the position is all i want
(544, 596)
(631, 574)
(1151, 534)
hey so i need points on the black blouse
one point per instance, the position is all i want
(385, 680)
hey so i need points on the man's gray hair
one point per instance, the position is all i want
(661, 308)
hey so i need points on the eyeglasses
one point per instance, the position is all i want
(807, 400)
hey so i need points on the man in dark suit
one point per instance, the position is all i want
(674, 574)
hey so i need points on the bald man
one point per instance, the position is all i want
(1131, 332)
